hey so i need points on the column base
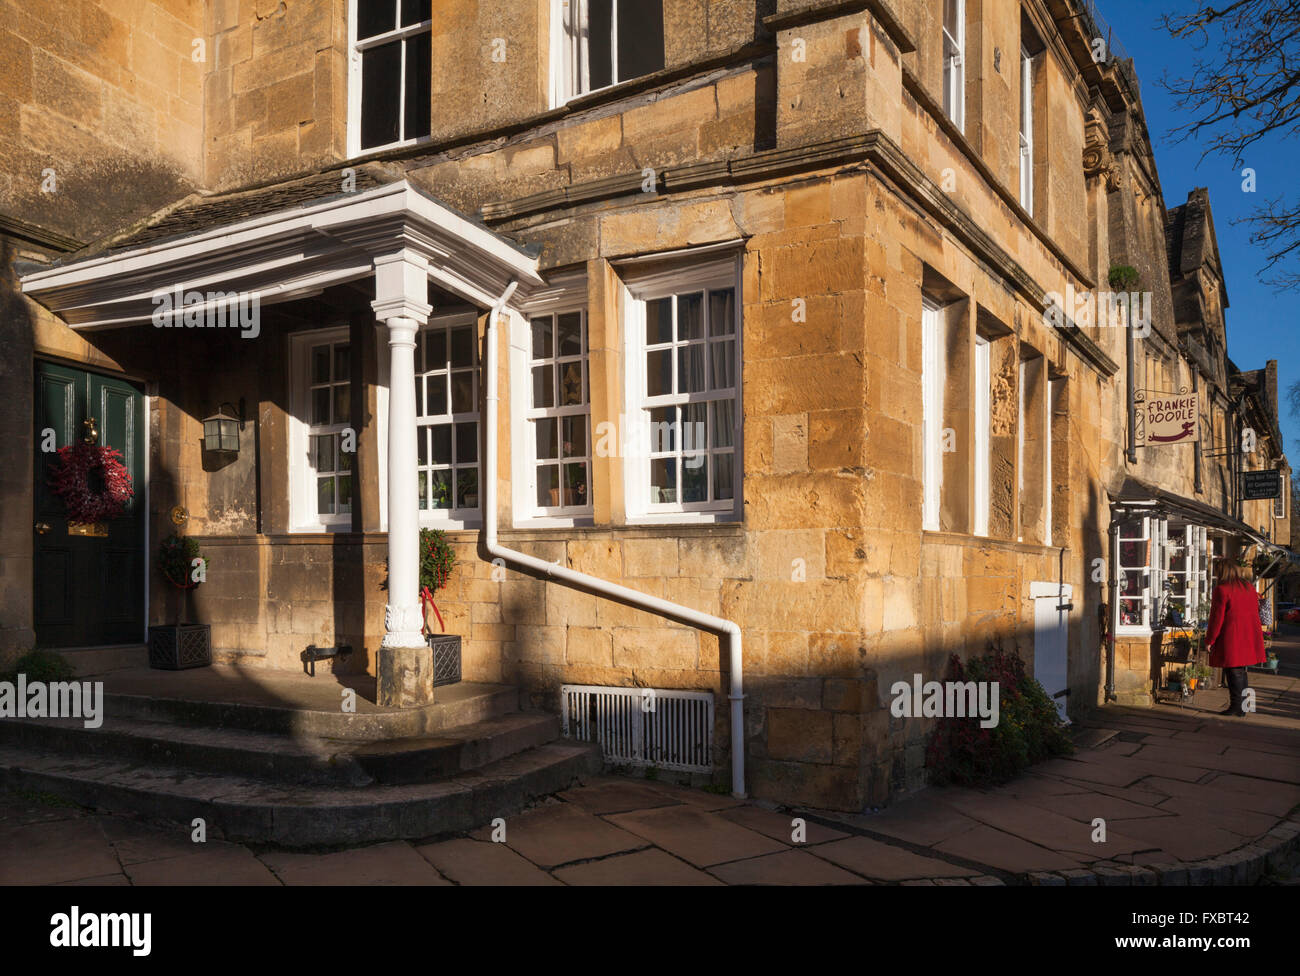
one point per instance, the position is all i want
(404, 677)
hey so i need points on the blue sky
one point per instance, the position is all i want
(1261, 322)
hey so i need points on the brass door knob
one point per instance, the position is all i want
(42, 528)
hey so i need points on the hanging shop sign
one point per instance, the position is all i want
(1166, 418)
(1261, 484)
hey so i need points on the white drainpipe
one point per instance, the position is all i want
(569, 577)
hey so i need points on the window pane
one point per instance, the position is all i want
(380, 75)
(424, 490)
(723, 431)
(570, 384)
(658, 321)
(544, 386)
(374, 17)
(320, 406)
(436, 387)
(723, 476)
(690, 369)
(414, 12)
(422, 445)
(462, 347)
(568, 335)
(663, 429)
(345, 494)
(467, 441)
(663, 480)
(440, 452)
(722, 312)
(345, 459)
(722, 364)
(342, 403)
(546, 438)
(659, 372)
(600, 24)
(695, 478)
(320, 364)
(419, 396)
(466, 488)
(440, 489)
(342, 363)
(694, 431)
(324, 452)
(640, 38)
(542, 338)
(951, 15)
(548, 485)
(575, 436)
(690, 317)
(325, 496)
(575, 484)
(435, 349)
(419, 79)
(462, 392)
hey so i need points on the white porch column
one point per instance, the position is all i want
(405, 662)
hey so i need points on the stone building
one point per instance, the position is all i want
(789, 337)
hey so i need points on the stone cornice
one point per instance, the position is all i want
(23, 230)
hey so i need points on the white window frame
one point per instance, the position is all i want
(355, 47)
(933, 382)
(636, 292)
(1026, 130)
(1149, 571)
(983, 438)
(1280, 503)
(954, 67)
(570, 71)
(566, 295)
(1053, 390)
(303, 516)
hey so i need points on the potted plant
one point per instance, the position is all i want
(1266, 566)
(182, 644)
(1270, 664)
(437, 558)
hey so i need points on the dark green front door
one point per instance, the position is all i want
(88, 589)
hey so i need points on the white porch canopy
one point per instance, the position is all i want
(396, 233)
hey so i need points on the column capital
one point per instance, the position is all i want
(402, 286)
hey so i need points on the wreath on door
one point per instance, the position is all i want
(92, 482)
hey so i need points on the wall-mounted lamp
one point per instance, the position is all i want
(221, 430)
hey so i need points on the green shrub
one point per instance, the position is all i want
(437, 558)
(1029, 728)
(41, 665)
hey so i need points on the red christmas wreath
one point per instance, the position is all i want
(92, 482)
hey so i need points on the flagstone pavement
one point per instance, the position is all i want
(1186, 796)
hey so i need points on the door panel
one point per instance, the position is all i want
(88, 590)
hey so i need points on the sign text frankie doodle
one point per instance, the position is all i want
(1166, 418)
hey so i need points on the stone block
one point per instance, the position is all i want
(404, 677)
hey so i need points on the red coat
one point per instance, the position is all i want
(1234, 636)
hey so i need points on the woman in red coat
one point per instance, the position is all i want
(1234, 636)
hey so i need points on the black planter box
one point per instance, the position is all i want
(446, 658)
(174, 647)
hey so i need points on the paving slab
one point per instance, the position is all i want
(559, 833)
(695, 835)
(135, 842)
(50, 851)
(918, 821)
(220, 866)
(704, 799)
(778, 826)
(1085, 807)
(883, 862)
(648, 867)
(616, 796)
(394, 863)
(1042, 827)
(477, 862)
(785, 868)
(1186, 838)
(103, 881)
(1006, 852)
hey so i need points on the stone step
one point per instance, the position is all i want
(244, 809)
(101, 660)
(288, 759)
(258, 710)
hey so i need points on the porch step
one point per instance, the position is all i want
(100, 660)
(288, 759)
(244, 809)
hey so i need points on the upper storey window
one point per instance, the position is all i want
(954, 61)
(599, 43)
(390, 73)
